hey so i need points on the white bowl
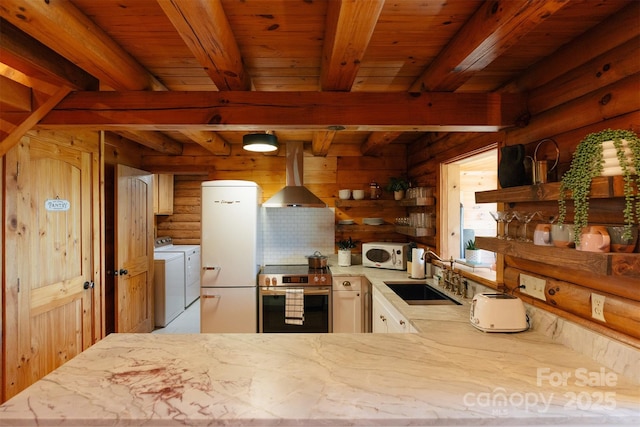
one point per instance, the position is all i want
(344, 194)
(358, 194)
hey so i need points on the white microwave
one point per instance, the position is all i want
(385, 255)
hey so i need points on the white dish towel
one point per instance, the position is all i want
(294, 307)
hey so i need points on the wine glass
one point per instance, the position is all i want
(499, 217)
(525, 218)
(509, 216)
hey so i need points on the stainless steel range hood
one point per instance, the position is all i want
(294, 194)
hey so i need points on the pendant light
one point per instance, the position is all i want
(260, 142)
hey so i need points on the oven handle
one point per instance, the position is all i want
(307, 291)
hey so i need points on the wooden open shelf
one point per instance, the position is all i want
(606, 264)
(601, 188)
(416, 231)
(383, 228)
(421, 201)
(365, 203)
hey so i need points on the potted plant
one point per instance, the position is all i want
(588, 162)
(344, 251)
(397, 186)
(471, 252)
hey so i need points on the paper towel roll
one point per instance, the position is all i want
(417, 264)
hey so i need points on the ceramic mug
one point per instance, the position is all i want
(358, 194)
(594, 238)
(618, 243)
(562, 235)
(542, 235)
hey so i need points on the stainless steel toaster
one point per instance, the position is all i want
(498, 312)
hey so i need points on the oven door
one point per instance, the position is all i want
(317, 310)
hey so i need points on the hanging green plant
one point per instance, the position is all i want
(587, 163)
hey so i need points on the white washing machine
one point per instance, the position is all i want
(191, 266)
(168, 281)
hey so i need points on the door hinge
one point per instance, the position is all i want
(18, 284)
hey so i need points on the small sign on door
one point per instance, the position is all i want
(57, 205)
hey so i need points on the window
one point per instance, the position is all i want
(462, 218)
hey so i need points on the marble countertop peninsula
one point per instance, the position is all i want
(448, 374)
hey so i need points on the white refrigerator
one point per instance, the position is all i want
(231, 255)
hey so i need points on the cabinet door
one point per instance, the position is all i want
(396, 323)
(379, 316)
(163, 194)
(386, 318)
(347, 311)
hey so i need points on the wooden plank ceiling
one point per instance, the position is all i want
(81, 63)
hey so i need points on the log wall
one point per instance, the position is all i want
(597, 90)
(343, 167)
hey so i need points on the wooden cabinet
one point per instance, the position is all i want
(386, 318)
(351, 304)
(163, 194)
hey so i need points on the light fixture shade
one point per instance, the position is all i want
(260, 142)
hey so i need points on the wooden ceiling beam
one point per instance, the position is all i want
(154, 140)
(204, 27)
(15, 96)
(205, 110)
(377, 140)
(348, 30)
(211, 141)
(494, 28)
(321, 142)
(12, 139)
(32, 58)
(65, 29)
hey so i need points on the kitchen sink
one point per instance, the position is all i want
(420, 294)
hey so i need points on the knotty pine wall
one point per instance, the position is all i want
(588, 85)
(343, 167)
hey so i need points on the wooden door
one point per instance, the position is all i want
(134, 250)
(52, 306)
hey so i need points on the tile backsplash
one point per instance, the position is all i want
(290, 234)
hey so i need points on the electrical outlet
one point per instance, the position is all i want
(533, 286)
(597, 307)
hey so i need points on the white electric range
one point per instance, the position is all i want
(191, 266)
